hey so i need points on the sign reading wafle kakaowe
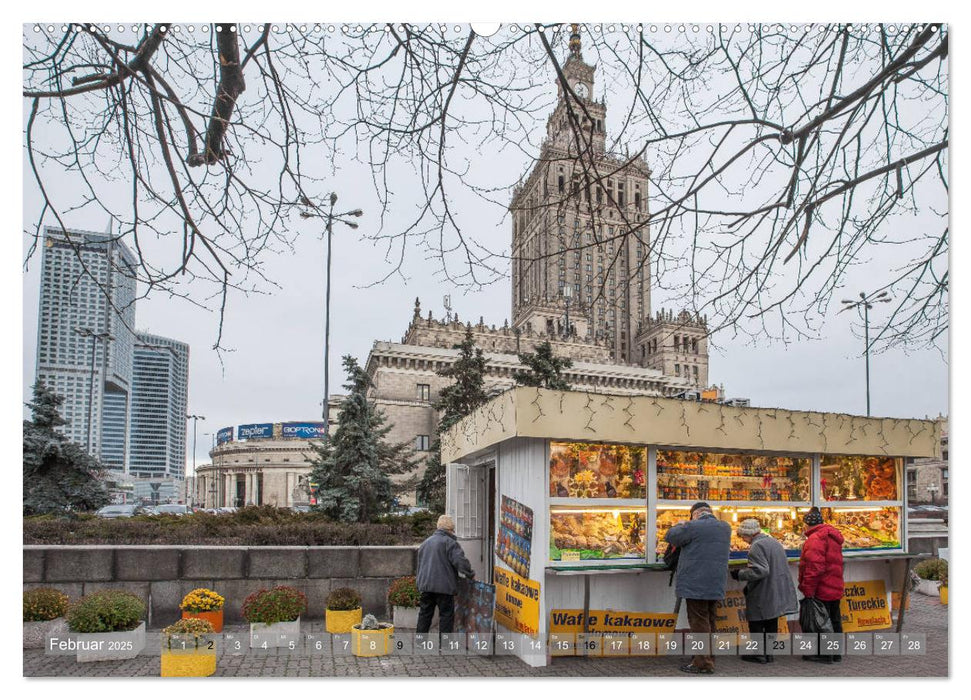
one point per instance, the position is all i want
(517, 602)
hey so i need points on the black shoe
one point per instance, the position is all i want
(691, 668)
(837, 659)
(754, 659)
(819, 659)
(769, 659)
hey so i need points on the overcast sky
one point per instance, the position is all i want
(274, 372)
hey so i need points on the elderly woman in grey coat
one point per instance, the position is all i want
(769, 590)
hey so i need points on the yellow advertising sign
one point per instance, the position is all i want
(730, 614)
(864, 606)
(517, 602)
(612, 621)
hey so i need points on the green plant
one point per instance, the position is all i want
(106, 611)
(188, 627)
(343, 599)
(42, 604)
(932, 569)
(370, 622)
(404, 592)
(280, 604)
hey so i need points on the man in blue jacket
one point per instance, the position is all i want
(702, 572)
(440, 560)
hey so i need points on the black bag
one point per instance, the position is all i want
(670, 557)
(813, 616)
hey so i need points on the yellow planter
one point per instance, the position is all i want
(943, 592)
(371, 642)
(342, 621)
(196, 663)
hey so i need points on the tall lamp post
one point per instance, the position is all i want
(867, 304)
(329, 217)
(195, 421)
(95, 337)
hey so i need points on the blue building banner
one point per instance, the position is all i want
(303, 430)
(254, 431)
(224, 435)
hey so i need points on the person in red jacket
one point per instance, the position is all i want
(821, 571)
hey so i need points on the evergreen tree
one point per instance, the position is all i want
(455, 401)
(58, 474)
(353, 468)
(543, 369)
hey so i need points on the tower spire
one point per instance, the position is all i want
(575, 40)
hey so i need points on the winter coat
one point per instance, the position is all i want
(769, 591)
(703, 563)
(440, 559)
(821, 563)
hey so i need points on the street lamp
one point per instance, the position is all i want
(867, 304)
(195, 421)
(329, 217)
(95, 337)
(932, 490)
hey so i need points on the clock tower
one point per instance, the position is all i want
(577, 123)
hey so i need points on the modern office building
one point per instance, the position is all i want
(85, 337)
(160, 388)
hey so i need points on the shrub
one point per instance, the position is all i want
(280, 604)
(343, 599)
(106, 611)
(202, 600)
(932, 569)
(404, 592)
(42, 604)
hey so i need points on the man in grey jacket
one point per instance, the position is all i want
(440, 560)
(769, 591)
(701, 576)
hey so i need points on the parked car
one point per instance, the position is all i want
(172, 509)
(300, 509)
(146, 510)
(117, 511)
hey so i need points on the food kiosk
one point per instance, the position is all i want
(562, 499)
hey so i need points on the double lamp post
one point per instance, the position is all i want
(867, 304)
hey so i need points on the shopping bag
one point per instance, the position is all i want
(813, 616)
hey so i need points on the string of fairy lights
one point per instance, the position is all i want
(603, 410)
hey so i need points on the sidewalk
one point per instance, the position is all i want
(926, 615)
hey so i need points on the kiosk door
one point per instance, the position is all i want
(470, 499)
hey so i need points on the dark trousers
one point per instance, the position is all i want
(701, 618)
(764, 627)
(426, 610)
(836, 618)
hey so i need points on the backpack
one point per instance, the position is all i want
(671, 556)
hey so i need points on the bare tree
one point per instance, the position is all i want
(781, 158)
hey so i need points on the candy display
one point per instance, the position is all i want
(852, 478)
(784, 524)
(731, 477)
(590, 470)
(606, 534)
(514, 541)
(866, 528)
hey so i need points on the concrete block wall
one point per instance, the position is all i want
(161, 575)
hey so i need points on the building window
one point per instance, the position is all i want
(694, 369)
(677, 370)
(421, 443)
(912, 485)
(424, 392)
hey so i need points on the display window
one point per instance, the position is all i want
(866, 528)
(716, 476)
(592, 470)
(578, 533)
(855, 478)
(784, 524)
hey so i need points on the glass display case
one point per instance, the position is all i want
(866, 528)
(854, 478)
(591, 470)
(784, 524)
(578, 533)
(717, 476)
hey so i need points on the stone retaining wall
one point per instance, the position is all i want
(163, 574)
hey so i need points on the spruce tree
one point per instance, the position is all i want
(59, 475)
(353, 468)
(455, 401)
(543, 369)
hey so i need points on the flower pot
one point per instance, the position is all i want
(110, 646)
(278, 634)
(927, 587)
(194, 663)
(943, 594)
(404, 618)
(371, 642)
(214, 617)
(341, 621)
(36, 633)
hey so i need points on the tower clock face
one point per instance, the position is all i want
(581, 90)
